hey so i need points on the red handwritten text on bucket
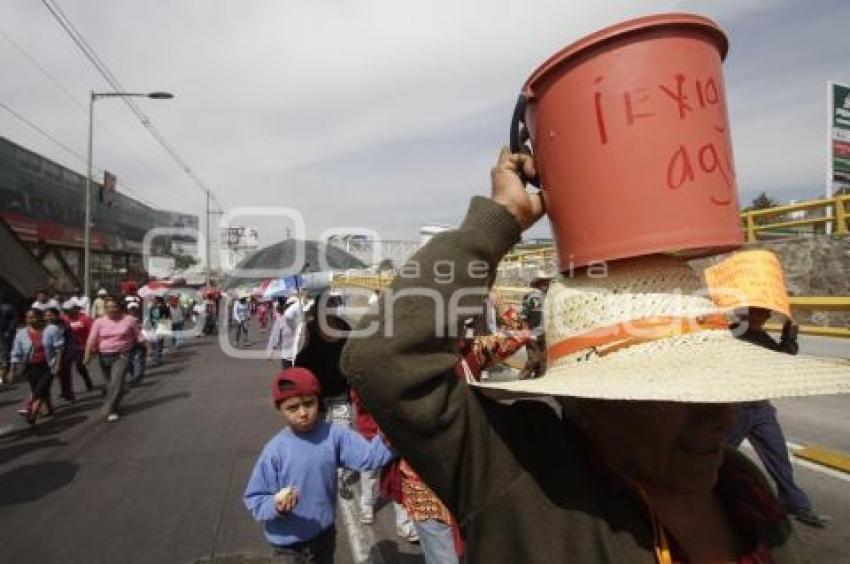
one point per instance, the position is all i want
(678, 98)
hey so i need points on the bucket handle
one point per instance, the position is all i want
(517, 120)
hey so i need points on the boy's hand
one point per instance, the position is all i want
(285, 500)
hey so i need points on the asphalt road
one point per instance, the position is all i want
(826, 347)
(164, 484)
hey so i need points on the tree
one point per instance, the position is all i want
(182, 262)
(762, 202)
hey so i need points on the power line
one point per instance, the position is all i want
(71, 151)
(80, 41)
(70, 96)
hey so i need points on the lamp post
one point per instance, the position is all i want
(87, 199)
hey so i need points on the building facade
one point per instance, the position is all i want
(43, 202)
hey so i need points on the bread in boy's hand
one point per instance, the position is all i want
(286, 499)
(283, 494)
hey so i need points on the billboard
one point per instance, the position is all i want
(839, 136)
(160, 267)
(240, 237)
(179, 220)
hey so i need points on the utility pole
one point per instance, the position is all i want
(207, 245)
(209, 241)
(93, 97)
(87, 207)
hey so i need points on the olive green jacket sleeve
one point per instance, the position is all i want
(405, 370)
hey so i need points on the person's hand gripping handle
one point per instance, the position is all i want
(508, 188)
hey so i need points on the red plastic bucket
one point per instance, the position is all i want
(631, 140)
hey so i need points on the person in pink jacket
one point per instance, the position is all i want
(112, 337)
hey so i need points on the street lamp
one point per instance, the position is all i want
(87, 228)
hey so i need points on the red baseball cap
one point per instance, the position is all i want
(292, 382)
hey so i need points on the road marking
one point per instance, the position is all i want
(361, 538)
(822, 469)
(825, 457)
(793, 448)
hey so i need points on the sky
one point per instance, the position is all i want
(376, 114)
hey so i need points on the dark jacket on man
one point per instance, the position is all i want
(520, 480)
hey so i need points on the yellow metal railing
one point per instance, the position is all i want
(376, 282)
(533, 257)
(756, 221)
(512, 295)
(819, 303)
(753, 222)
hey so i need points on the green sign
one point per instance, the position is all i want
(839, 111)
(840, 106)
(841, 164)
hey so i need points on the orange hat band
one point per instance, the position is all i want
(606, 340)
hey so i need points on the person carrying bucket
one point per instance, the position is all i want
(640, 447)
(646, 374)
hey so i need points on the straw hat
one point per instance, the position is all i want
(648, 331)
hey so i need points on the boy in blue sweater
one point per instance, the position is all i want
(293, 487)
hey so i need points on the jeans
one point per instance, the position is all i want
(437, 541)
(403, 523)
(77, 360)
(66, 387)
(114, 367)
(318, 550)
(757, 423)
(370, 481)
(176, 338)
(158, 347)
(241, 332)
(39, 378)
(136, 364)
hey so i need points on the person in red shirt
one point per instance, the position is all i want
(29, 357)
(80, 324)
(386, 481)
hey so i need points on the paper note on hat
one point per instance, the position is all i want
(749, 279)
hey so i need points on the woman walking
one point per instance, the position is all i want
(80, 325)
(28, 353)
(59, 343)
(139, 353)
(159, 320)
(112, 337)
(175, 310)
(262, 315)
